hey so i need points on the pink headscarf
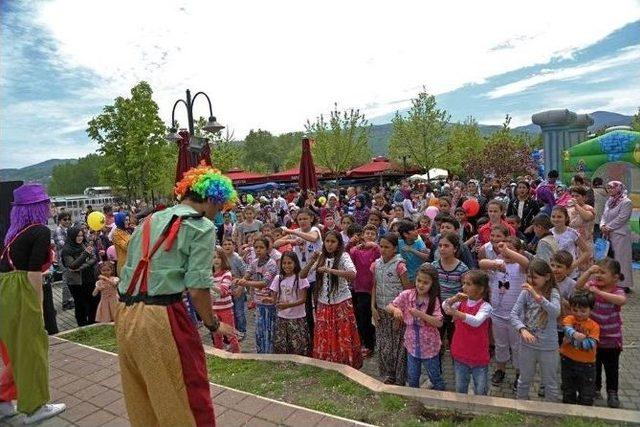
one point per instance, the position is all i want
(619, 192)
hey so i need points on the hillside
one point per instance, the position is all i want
(40, 172)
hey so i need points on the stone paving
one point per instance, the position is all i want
(629, 392)
(88, 382)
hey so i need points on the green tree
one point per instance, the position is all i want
(290, 146)
(131, 138)
(463, 139)
(341, 142)
(260, 152)
(421, 136)
(635, 122)
(226, 152)
(73, 178)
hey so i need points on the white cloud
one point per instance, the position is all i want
(274, 64)
(624, 56)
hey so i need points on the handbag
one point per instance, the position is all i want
(602, 249)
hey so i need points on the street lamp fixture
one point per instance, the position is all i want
(173, 136)
(196, 144)
(212, 125)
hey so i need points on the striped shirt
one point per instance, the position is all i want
(222, 300)
(450, 280)
(607, 315)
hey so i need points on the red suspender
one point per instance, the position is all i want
(141, 273)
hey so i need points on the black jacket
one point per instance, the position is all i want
(531, 209)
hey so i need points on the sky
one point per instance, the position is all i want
(273, 65)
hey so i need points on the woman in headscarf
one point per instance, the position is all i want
(615, 227)
(79, 260)
(24, 344)
(546, 199)
(361, 212)
(121, 238)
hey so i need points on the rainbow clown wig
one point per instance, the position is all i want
(207, 183)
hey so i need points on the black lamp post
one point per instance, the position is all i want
(196, 144)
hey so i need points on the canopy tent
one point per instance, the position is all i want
(293, 174)
(377, 166)
(238, 176)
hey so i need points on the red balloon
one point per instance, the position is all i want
(471, 207)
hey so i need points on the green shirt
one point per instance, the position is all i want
(188, 264)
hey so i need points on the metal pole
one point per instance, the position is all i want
(190, 112)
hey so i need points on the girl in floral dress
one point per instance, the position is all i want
(336, 336)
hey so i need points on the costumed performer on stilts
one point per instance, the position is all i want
(162, 362)
(24, 343)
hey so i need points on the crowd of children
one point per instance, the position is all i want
(374, 278)
(386, 276)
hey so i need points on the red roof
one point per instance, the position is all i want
(294, 173)
(238, 176)
(377, 166)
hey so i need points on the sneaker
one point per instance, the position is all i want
(44, 412)
(541, 391)
(515, 383)
(498, 377)
(7, 409)
(612, 399)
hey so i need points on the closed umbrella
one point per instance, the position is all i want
(184, 157)
(308, 179)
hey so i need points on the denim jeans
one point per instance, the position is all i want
(464, 373)
(414, 368)
(239, 313)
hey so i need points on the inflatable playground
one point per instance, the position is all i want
(614, 155)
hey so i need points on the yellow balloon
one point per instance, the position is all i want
(96, 221)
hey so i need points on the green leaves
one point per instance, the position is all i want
(137, 159)
(341, 142)
(421, 136)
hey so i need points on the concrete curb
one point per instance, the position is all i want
(445, 399)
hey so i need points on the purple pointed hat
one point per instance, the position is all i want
(28, 194)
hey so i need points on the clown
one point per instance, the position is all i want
(23, 339)
(162, 362)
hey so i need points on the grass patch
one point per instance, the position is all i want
(102, 337)
(332, 393)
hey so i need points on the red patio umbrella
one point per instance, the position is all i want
(187, 159)
(184, 157)
(308, 179)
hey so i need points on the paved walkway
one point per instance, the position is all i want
(88, 381)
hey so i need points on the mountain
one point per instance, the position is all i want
(40, 172)
(380, 134)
